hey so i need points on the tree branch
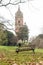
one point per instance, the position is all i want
(10, 3)
(6, 21)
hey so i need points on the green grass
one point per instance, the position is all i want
(8, 55)
(39, 50)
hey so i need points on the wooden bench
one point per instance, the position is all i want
(26, 48)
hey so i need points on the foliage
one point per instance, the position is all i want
(12, 39)
(7, 37)
(23, 33)
(3, 35)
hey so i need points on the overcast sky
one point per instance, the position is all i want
(32, 13)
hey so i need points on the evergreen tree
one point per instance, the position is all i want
(23, 33)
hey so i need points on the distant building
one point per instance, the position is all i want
(18, 20)
(19, 24)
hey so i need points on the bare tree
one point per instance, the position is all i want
(14, 3)
(6, 3)
(5, 23)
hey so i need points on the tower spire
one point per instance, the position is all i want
(18, 7)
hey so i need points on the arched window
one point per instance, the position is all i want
(19, 22)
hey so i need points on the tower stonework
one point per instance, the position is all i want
(18, 20)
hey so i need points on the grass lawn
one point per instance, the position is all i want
(8, 55)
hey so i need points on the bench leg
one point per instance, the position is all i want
(17, 51)
(33, 51)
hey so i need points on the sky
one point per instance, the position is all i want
(32, 13)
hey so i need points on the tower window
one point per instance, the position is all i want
(18, 21)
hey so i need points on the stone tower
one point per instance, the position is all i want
(18, 20)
